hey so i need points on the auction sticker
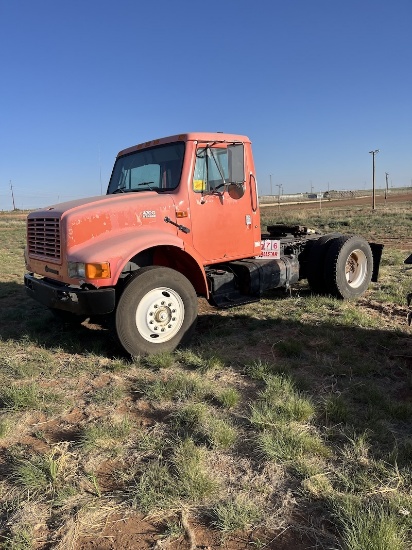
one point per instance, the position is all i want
(270, 249)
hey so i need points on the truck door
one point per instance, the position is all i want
(223, 216)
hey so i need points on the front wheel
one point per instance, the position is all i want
(156, 311)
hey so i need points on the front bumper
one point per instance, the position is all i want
(79, 301)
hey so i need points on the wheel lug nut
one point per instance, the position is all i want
(162, 303)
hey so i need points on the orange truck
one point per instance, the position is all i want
(180, 220)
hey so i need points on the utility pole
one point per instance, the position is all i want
(270, 179)
(12, 196)
(387, 186)
(373, 153)
(280, 187)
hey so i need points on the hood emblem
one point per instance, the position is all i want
(48, 269)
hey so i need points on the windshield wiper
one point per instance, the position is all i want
(210, 153)
(148, 183)
(135, 190)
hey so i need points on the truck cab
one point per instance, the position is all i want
(180, 220)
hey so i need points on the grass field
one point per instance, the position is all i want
(285, 424)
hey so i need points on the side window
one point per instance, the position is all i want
(200, 174)
(211, 169)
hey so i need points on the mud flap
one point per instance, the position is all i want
(377, 255)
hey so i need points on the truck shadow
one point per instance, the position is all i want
(227, 333)
(21, 318)
(359, 378)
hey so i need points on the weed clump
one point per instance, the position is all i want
(199, 422)
(164, 484)
(235, 514)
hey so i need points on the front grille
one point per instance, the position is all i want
(43, 237)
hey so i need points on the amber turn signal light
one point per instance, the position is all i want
(97, 271)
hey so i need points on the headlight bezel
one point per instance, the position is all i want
(88, 270)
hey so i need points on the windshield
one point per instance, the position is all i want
(155, 168)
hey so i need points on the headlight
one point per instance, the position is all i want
(80, 270)
(76, 270)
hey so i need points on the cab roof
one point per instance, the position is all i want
(191, 136)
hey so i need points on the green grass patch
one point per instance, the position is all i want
(179, 386)
(228, 398)
(280, 402)
(154, 489)
(204, 425)
(200, 361)
(235, 514)
(48, 475)
(196, 484)
(371, 526)
(105, 434)
(166, 484)
(27, 397)
(286, 443)
(109, 395)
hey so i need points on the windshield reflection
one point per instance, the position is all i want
(155, 169)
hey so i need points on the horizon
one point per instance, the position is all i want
(366, 192)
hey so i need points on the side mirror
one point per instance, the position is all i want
(236, 190)
(236, 163)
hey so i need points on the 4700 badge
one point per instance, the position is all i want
(149, 214)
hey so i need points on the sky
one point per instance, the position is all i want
(315, 84)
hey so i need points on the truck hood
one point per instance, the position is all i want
(94, 218)
(99, 201)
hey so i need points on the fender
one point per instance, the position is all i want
(119, 249)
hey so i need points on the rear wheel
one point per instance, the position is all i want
(348, 267)
(316, 263)
(156, 311)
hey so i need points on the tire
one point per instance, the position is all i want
(156, 312)
(348, 267)
(316, 265)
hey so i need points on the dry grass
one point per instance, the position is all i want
(286, 418)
